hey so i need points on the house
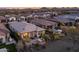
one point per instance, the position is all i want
(66, 19)
(21, 18)
(2, 19)
(44, 23)
(26, 30)
(55, 13)
(4, 34)
(40, 15)
(77, 21)
(10, 18)
(7, 17)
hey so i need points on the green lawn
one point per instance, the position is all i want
(11, 47)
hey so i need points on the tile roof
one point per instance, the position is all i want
(43, 22)
(2, 18)
(3, 29)
(24, 27)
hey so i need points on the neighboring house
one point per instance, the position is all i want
(21, 18)
(40, 15)
(55, 13)
(12, 18)
(7, 17)
(26, 30)
(29, 18)
(2, 19)
(63, 21)
(77, 19)
(44, 23)
(66, 19)
(4, 35)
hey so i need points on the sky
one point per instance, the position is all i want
(39, 3)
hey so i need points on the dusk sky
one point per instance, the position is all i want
(39, 3)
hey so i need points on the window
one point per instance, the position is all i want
(26, 35)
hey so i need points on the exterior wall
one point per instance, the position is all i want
(12, 19)
(31, 35)
(38, 34)
(8, 37)
(25, 36)
(3, 40)
(22, 18)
